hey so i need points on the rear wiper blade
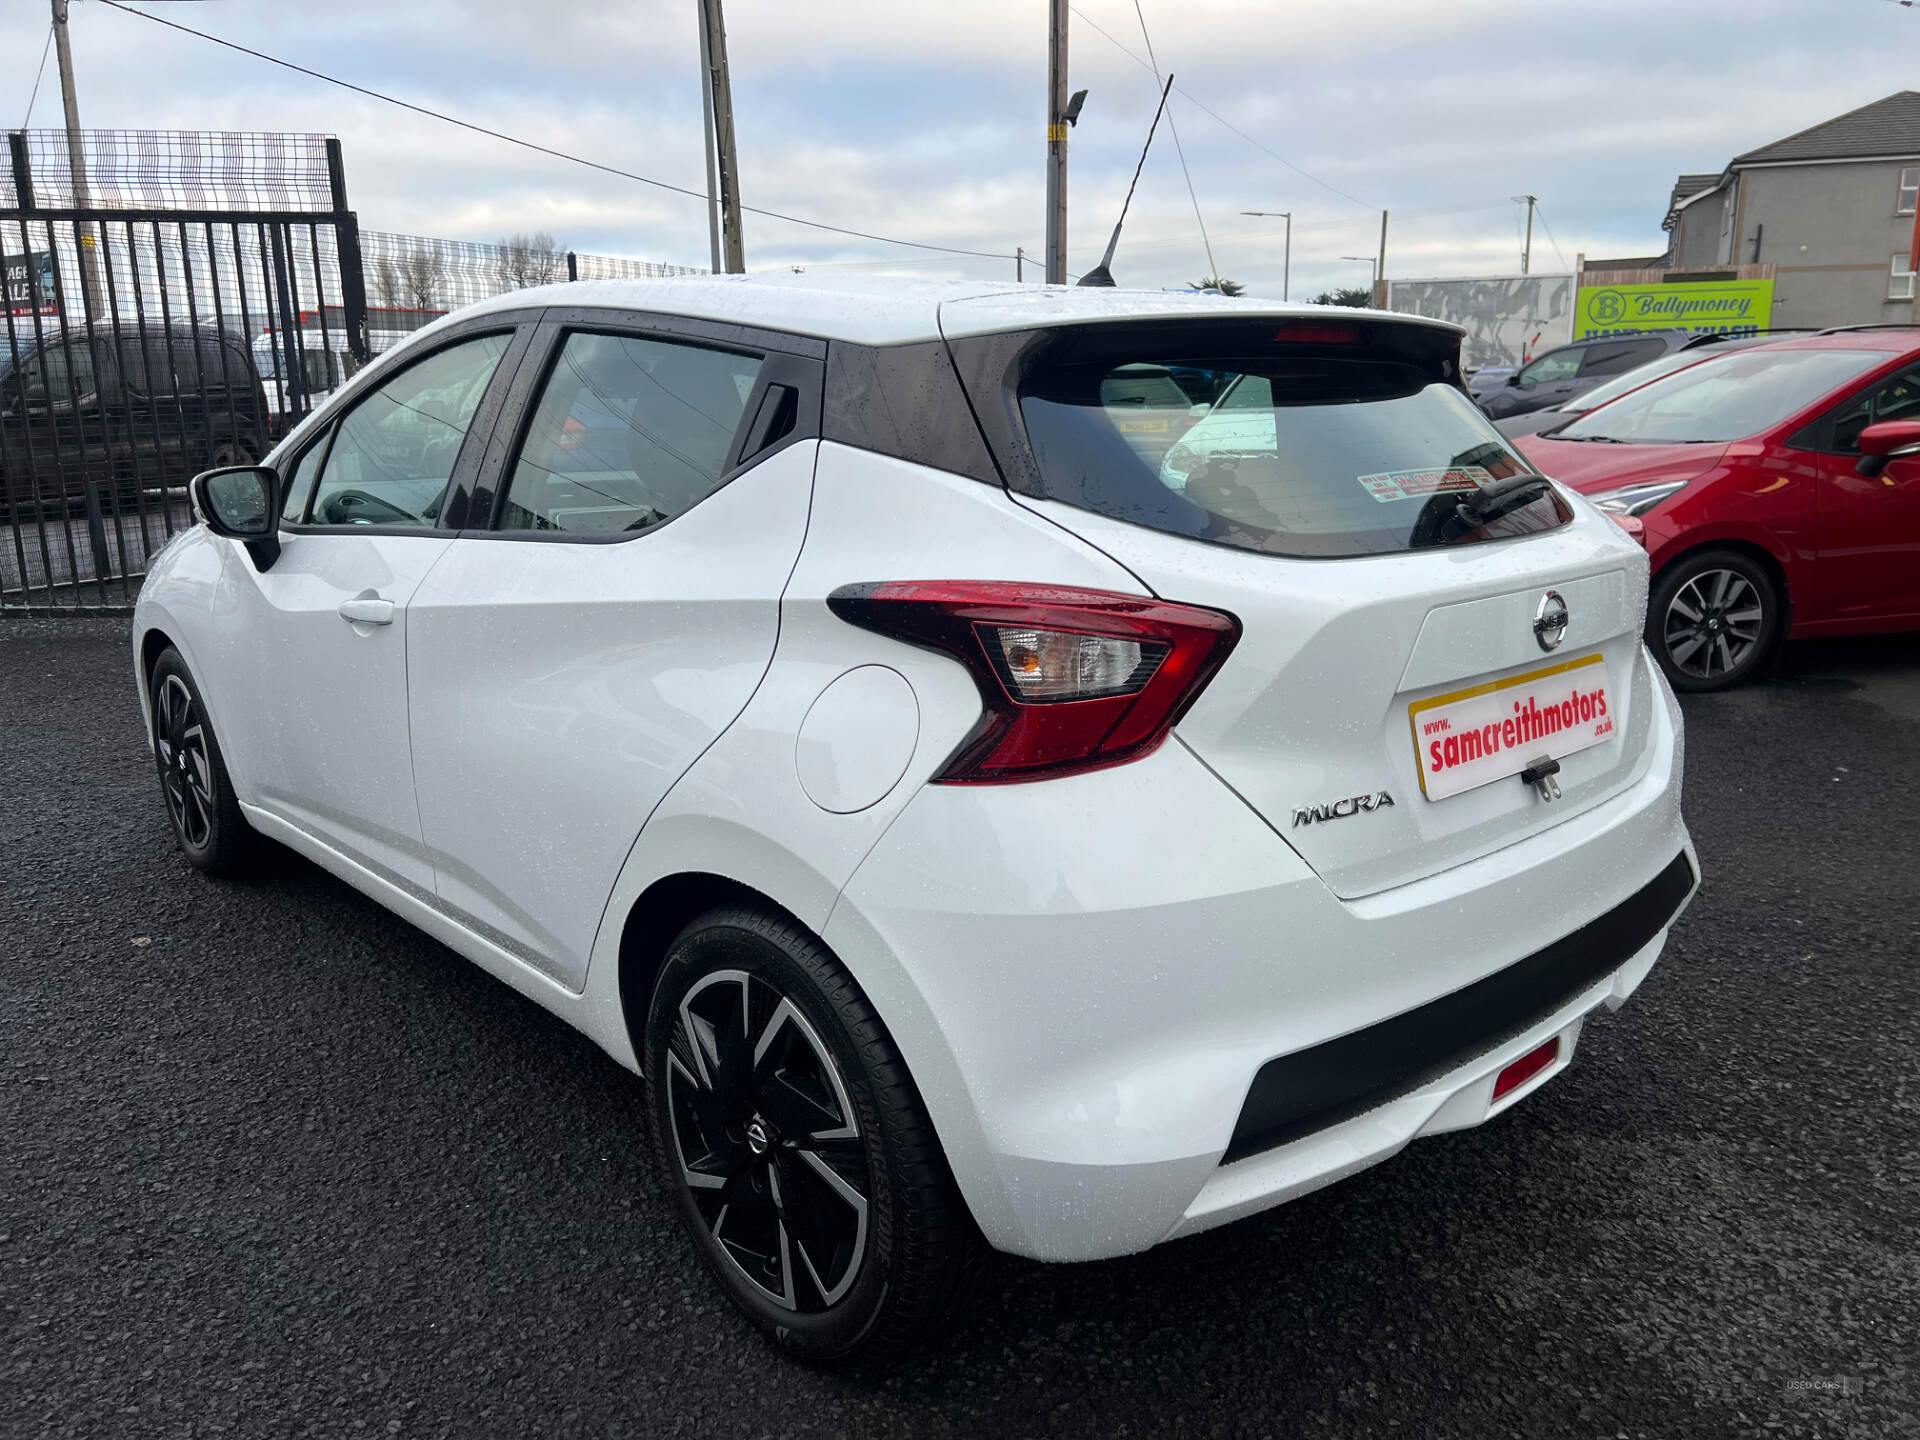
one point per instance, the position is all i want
(1503, 497)
(1487, 504)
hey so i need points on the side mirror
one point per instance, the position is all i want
(1888, 440)
(241, 502)
(1514, 379)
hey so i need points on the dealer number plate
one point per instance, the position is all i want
(1474, 737)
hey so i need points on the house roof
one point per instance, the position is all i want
(1886, 127)
(1688, 186)
(1686, 190)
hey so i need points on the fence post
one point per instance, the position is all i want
(573, 266)
(336, 173)
(22, 170)
(346, 236)
(96, 537)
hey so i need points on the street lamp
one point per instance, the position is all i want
(1372, 262)
(1286, 262)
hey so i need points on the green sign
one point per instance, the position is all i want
(1723, 307)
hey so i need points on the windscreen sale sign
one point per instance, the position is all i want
(29, 281)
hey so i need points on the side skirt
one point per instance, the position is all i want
(608, 1031)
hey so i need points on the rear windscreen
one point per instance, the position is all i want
(1289, 453)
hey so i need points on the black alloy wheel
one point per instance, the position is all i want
(186, 767)
(798, 1151)
(767, 1141)
(201, 805)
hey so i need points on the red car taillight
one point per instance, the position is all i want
(1072, 679)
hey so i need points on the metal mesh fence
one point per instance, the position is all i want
(178, 170)
(205, 297)
(408, 276)
(135, 350)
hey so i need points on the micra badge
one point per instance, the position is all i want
(1341, 809)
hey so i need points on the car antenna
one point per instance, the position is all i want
(1102, 274)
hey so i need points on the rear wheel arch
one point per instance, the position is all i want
(654, 922)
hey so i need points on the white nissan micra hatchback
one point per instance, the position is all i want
(985, 819)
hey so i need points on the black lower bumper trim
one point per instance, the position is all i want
(1297, 1094)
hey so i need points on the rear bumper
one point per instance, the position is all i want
(1294, 1096)
(1134, 1012)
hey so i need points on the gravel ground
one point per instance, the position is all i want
(273, 1164)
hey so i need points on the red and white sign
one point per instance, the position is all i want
(1473, 737)
(1415, 484)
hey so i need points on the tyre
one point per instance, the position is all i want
(199, 796)
(229, 452)
(802, 1160)
(1713, 619)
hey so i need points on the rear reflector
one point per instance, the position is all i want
(1526, 1067)
(1070, 679)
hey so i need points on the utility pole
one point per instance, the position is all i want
(714, 33)
(1526, 253)
(1380, 267)
(1057, 143)
(1019, 265)
(76, 163)
(706, 125)
(1286, 256)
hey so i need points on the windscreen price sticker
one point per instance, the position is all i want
(1474, 737)
(1418, 484)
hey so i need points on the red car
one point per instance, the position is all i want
(1777, 490)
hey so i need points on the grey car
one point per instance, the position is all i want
(1569, 370)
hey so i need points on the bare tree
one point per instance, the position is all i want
(524, 260)
(386, 283)
(425, 273)
(415, 279)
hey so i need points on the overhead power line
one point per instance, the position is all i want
(1541, 215)
(38, 75)
(549, 150)
(1206, 110)
(1213, 270)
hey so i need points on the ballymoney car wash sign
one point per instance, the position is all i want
(1722, 307)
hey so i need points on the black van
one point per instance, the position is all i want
(122, 408)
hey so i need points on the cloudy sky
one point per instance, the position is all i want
(926, 121)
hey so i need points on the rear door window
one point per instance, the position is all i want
(629, 432)
(1619, 357)
(1305, 455)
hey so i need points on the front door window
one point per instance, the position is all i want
(394, 452)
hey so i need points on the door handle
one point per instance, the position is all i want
(367, 610)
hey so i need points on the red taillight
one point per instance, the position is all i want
(1526, 1067)
(571, 434)
(1309, 332)
(1072, 679)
